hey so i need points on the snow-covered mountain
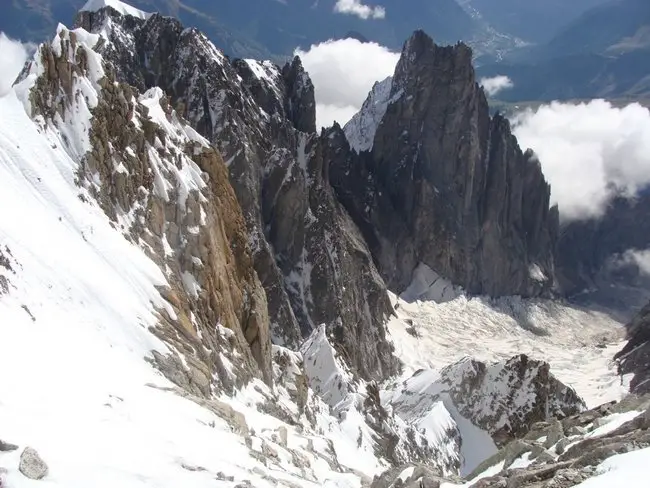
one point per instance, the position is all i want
(185, 301)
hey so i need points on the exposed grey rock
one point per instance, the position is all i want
(421, 476)
(509, 454)
(218, 257)
(300, 105)
(634, 358)
(7, 446)
(554, 434)
(589, 250)
(562, 445)
(309, 255)
(526, 378)
(578, 462)
(31, 465)
(446, 185)
(577, 430)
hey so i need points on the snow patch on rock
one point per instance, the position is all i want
(360, 130)
(120, 7)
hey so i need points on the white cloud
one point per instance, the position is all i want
(494, 85)
(640, 258)
(589, 152)
(343, 73)
(13, 55)
(326, 115)
(355, 7)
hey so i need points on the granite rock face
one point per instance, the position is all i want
(308, 253)
(446, 185)
(167, 190)
(592, 253)
(504, 399)
(634, 358)
(443, 184)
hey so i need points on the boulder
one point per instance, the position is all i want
(32, 465)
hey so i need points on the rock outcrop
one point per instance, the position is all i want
(32, 465)
(444, 184)
(554, 454)
(574, 457)
(503, 399)
(382, 429)
(309, 255)
(167, 190)
(634, 358)
(533, 393)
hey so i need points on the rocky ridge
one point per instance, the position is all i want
(311, 259)
(553, 454)
(167, 190)
(500, 400)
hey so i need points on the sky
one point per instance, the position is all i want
(343, 73)
(361, 10)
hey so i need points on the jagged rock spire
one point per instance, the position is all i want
(447, 185)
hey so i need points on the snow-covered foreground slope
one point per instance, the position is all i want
(78, 304)
(629, 470)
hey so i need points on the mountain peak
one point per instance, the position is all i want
(418, 40)
(420, 43)
(120, 7)
(454, 203)
(422, 57)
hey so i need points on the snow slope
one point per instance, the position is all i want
(121, 7)
(78, 302)
(629, 470)
(360, 130)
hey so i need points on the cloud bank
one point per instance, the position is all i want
(343, 73)
(640, 258)
(355, 7)
(494, 85)
(590, 152)
(13, 55)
